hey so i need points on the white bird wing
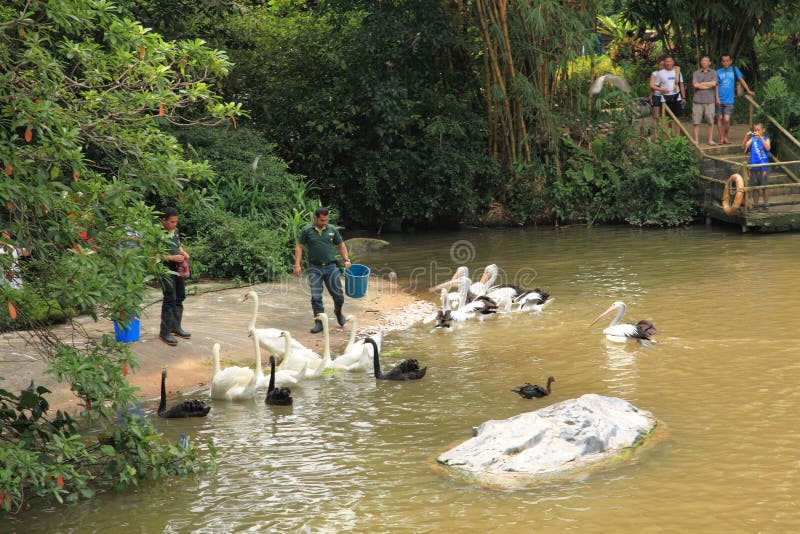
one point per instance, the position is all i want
(233, 383)
(300, 359)
(460, 316)
(272, 341)
(498, 294)
(430, 318)
(617, 81)
(622, 330)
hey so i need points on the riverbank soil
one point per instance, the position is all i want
(213, 313)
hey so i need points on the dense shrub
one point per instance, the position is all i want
(618, 175)
(228, 246)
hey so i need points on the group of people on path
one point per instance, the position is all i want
(714, 92)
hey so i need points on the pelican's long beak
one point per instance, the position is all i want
(609, 310)
(446, 285)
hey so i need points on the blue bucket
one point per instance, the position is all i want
(355, 280)
(128, 332)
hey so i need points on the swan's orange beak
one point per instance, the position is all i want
(609, 310)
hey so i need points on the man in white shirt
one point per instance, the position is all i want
(669, 81)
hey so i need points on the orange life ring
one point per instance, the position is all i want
(737, 182)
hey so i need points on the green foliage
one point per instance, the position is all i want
(56, 456)
(39, 312)
(236, 248)
(85, 93)
(620, 176)
(661, 187)
(781, 103)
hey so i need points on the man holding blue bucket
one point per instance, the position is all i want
(320, 238)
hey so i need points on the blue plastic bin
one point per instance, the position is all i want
(128, 332)
(355, 280)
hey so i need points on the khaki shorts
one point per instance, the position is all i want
(698, 110)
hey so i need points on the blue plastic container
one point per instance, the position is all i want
(128, 332)
(355, 280)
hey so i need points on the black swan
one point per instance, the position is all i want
(405, 370)
(530, 391)
(276, 396)
(190, 408)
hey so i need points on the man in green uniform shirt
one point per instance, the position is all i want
(320, 239)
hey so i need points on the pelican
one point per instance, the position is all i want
(533, 299)
(455, 299)
(442, 316)
(617, 81)
(482, 286)
(620, 333)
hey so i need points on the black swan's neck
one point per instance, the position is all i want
(162, 405)
(271, 386)
(375, 357)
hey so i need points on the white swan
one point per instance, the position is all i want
(353, 343)
(326, 362)
(269, 338)
(357, 355)
(282, 376)
(233, 383)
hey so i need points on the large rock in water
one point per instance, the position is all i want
(362, 245)
(572, 434)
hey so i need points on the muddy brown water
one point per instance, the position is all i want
(356, 455)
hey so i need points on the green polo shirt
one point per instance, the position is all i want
(320, 244)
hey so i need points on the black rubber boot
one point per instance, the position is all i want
(339, 316)
(317, 327)
(177, 329)
(165, 333)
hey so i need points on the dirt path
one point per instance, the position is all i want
(214, 313)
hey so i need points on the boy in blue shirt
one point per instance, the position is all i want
(727, 77)
(759, 145)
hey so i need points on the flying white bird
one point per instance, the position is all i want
(617, 81)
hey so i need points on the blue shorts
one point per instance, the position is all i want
(758, 176)
(724, 110)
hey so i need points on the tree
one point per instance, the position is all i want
(84, 90)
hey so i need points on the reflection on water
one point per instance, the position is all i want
(355, 454)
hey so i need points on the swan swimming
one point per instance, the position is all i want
(270, 338)
(276, 396)
(189, 408)
(232, 383)
(283, 377)
(403, 370)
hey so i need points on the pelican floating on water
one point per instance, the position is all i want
(621, 332)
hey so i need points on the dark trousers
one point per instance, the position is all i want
(174, 290)
(330, 275)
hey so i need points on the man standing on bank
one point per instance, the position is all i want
(173, 286)
(320, 239)
(727, 78)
